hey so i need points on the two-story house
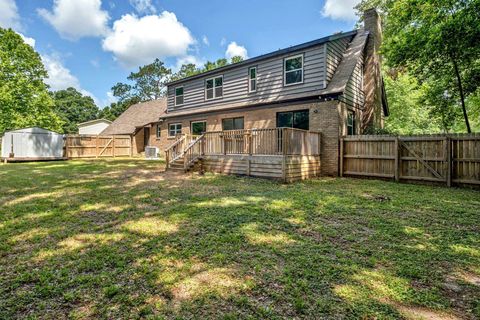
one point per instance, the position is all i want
(332, 85)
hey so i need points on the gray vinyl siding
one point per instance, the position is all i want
(354, 94)
(335, 51)
(269, 82)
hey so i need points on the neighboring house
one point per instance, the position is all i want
(93, 127)
(332, 85)
(137, 121)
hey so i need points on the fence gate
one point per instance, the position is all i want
(434, 158)
(91, 146)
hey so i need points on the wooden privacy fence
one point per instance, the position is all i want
(91, 146)
(434, 158)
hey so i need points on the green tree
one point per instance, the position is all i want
(236, 59)
(148, 83)
(186, 70)
(409, 112)
(73, 108)
(116, 109)
(24, 97)
(437, 40)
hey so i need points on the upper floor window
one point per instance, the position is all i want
(252, 79)
(293, 119)
(174, 129)
(214, 88)
(351, 123)
(232, 123)
(178, 96)
(293, 70)
(159, 130)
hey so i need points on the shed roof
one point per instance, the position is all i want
(86, 123)
(137, 115)
(33, 129)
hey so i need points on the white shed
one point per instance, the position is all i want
(94, 127)
(32, 144)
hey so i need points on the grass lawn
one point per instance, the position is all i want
(122, 239)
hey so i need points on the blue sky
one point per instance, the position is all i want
(93, 44)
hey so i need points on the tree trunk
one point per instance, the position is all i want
(462, 97)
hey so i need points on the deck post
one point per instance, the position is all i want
(284, 154)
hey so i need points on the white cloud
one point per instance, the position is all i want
(234, 49)
(27, 40)
(60, 77)
(9, 17)
(136, 41)
(340, 9)
(74, 19)
(205, 40)
(143, 6)
(223, 42)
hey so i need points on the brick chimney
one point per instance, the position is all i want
(373, 114)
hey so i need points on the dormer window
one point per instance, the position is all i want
(178, 96)
(293, 70)
(214, 88)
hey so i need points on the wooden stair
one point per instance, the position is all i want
(178, 165)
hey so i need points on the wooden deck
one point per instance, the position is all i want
(282, 153)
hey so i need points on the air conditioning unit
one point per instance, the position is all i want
(151, 153)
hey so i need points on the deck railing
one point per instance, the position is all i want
(276, 141)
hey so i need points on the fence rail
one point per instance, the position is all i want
(92, 146)
(435, 158)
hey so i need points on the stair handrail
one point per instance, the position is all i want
(193, 151)
(169, 155)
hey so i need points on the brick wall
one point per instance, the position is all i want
(324, 117)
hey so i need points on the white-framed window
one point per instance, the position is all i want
(159, 131)
(293, 70)
(178, 96)
(214, 88)
(174, 129)
(252, 79)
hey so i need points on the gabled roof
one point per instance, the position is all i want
(347, 66)
(93, 121)
(268, 55)
(137, 115)
(335, 87)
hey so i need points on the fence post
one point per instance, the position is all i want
(448, 156)
(341, 156)
(397, 159)
(96, 146)
(113, 146)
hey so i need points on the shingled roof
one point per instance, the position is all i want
(337, 85)
(137, 115)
